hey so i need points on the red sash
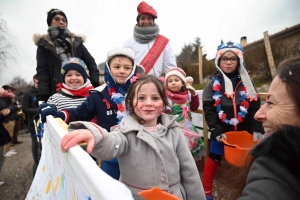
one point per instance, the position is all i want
(155, 51)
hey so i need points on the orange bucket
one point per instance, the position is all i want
(237, 146)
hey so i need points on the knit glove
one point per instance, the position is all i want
(46, 109)
(191, 89)
(219, 138)
(257, 135)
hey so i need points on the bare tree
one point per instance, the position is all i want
(188, 59)
(8, 51)
(20, 84)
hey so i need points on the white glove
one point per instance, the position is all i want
(219, 138)
(191, 89)
(257, 135)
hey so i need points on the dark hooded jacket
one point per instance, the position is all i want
(29, 107)
(7, 103)
(4, 135)
(49, 63)
(218, 127)
(275, 172)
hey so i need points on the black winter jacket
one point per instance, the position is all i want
(218, 127)
(7, 103)
(49, 64)
(4, 135)
(275, 173)
(29, 106)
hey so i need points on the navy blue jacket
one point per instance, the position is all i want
(95, 105)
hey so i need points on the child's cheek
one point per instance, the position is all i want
(138, 108)
(159, 108)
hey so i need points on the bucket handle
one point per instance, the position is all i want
(226, 144)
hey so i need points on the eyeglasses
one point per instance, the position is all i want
(224, 60)
(58, 19)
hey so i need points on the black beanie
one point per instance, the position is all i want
(52, 14)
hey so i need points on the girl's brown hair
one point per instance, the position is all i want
(135, 87)
(289, 72)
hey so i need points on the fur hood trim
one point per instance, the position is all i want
(36, 38)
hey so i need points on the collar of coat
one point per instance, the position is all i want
(128, 124)
(37, 37)
(282, 146)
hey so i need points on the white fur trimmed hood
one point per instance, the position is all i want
(36, 38)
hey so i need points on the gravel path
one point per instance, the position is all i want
(17, 171)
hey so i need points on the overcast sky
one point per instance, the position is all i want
(108, 23)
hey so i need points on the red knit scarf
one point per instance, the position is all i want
(179, 98)
(83, 92)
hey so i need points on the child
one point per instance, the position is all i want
(230, 101)
(105, 101)
(148, 144)
(182, 102)
(75, 87)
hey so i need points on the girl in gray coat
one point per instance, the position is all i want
(149, 144)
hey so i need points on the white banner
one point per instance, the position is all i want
(71, 175)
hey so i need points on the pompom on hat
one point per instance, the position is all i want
(52, 14)
(239, 52)
(145, 9)
(73, 63)
(176, 71)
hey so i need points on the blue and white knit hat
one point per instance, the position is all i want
(73, 63)
(239, 52)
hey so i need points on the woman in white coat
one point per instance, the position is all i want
(152, 50)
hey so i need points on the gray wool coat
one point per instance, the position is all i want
(162, 159)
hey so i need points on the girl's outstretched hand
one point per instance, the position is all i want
(76, 136)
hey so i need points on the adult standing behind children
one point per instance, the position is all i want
(152, 50)
(7, 102)
(105, 102)
(230, 101)
(29, 106)
(56, 46)
(4, 136)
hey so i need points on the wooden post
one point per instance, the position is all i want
(269, 54)
(200, 65)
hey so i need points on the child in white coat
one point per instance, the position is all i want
(149, 144)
